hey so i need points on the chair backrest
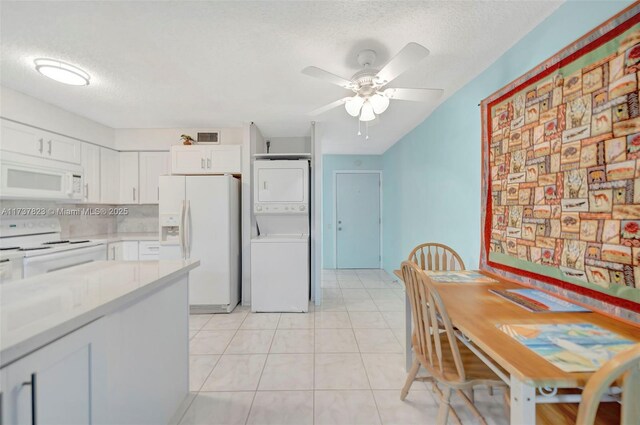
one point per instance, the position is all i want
(435, 343)
(436, 256)
(625, 365)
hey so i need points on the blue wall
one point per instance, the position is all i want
(331, 163)
(431, 186)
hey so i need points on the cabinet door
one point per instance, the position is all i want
(224, 159)
(152, 166)
(115, 251)
(21, 138)
(130, 250)
(109, 176)
(129, 187)
(91, 166)
(188, 160)
(55, 382)
(61, 148)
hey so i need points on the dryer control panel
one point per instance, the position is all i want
(272, 208)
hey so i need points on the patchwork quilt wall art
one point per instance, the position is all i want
(561, 169)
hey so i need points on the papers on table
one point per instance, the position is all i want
(572, 347)
(462, 276)
(538, 301)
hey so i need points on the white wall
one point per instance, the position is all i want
(164, 138)
(25, 109)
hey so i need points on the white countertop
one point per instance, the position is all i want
(38, 310)
(117, 237)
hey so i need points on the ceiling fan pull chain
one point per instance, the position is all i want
(367, 130)
(359, 132)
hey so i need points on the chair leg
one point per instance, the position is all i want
(411, 376)
(474, 410)
(443, 411)
(506, 396)
(472, 395)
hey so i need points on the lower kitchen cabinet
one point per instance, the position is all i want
(53, 385)
(123, 251)
(129, 366)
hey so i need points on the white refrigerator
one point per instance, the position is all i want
(199, 219)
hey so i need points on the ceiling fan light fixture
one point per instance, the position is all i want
(367, 113)
(62, 72)
(353, 105)
(379, 102)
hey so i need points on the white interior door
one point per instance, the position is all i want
(358, 220)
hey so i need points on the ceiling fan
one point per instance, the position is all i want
(371, 94)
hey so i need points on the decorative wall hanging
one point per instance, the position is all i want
(561, 169)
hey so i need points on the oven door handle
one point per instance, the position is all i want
(70, 265)
(98, 250)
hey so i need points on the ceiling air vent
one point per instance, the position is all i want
(212, 138)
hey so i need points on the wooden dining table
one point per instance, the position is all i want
(477, 313)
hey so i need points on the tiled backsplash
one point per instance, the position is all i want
(138, 218)
(141, 218)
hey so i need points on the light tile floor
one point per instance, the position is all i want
(341, 364)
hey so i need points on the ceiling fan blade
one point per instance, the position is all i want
(416, 95)
(409, 56)
(316, 72)
(329, 106)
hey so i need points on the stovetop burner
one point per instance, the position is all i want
(35, 248)
(55, 242)
(84, 241)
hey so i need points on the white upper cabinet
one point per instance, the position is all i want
(21, 138)
(109, 176)
(91, 166)
(31, 141)
(129, 176)
(152, 166)
(188, 160)
(62, 148)
(206, 159)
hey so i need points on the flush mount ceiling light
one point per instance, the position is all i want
(371, 94)
(62, 72)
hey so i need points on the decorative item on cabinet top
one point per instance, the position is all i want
(186, 139)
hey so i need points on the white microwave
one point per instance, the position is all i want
(26, 177)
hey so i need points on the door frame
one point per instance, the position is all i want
(335, 211)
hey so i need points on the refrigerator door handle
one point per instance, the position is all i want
(181, 231)
(187, 220)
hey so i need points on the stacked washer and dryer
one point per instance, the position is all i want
(280, 253)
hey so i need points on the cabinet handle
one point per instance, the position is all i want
(49, 147)
(202, 163)
(158, 193)
(134, 193)
(86, 191)
(113, 253)
(32, 384)
(209, 163)
(41, 149)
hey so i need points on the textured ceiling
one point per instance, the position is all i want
(222, 64)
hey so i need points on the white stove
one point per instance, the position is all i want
(37, 244)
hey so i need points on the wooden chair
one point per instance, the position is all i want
(436, 348)
(626, 366)
(436, 256)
